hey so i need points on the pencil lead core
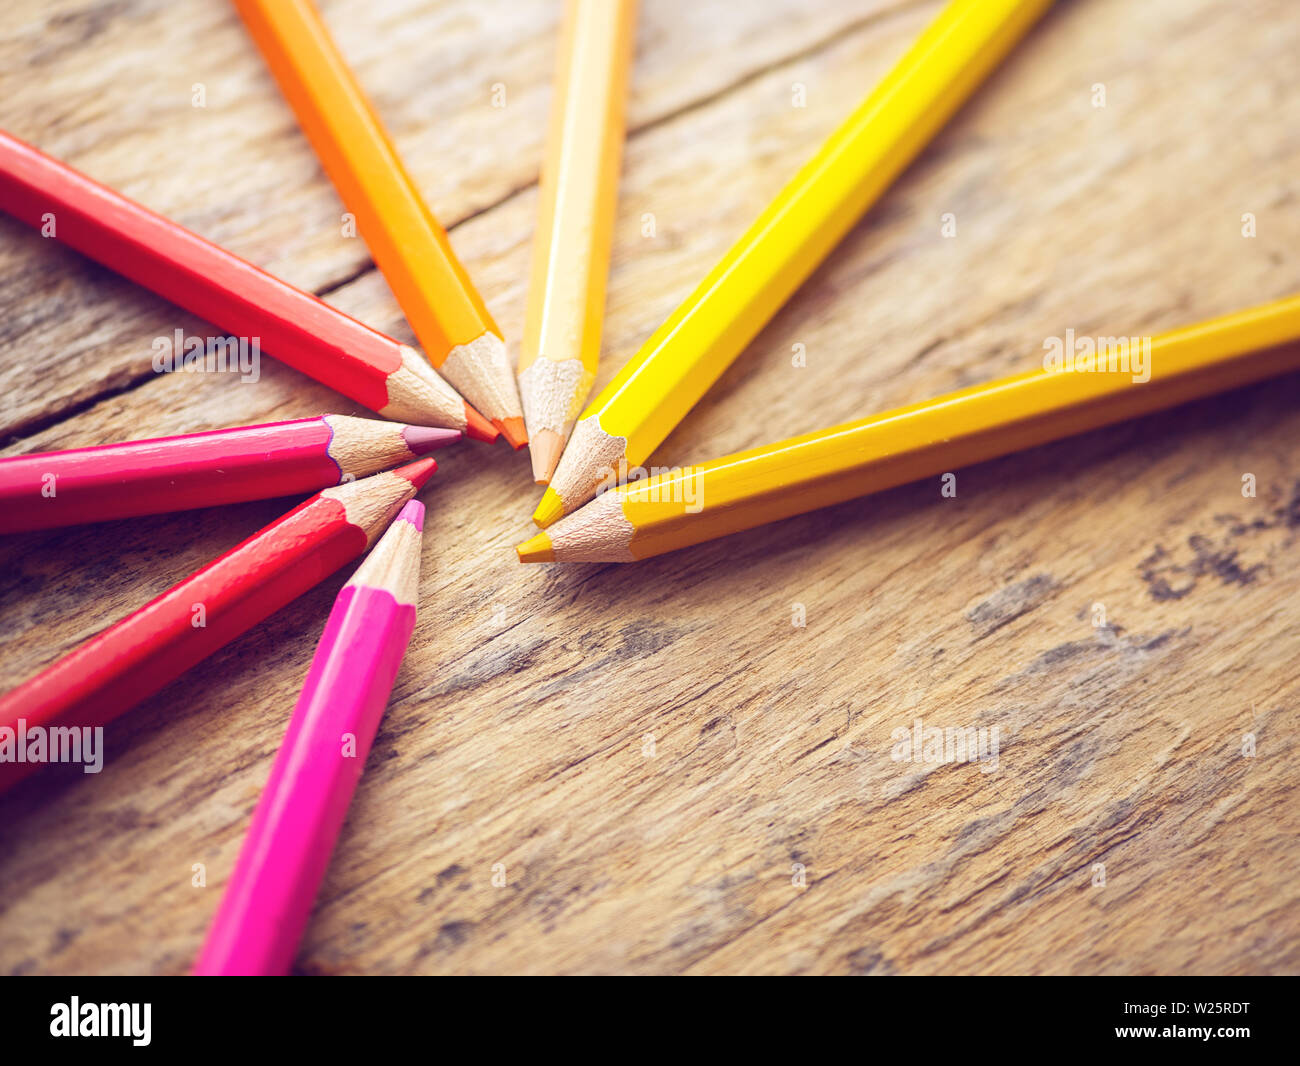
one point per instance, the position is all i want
(424, 439)
(536, 549)
(478, 427)
(418, 472)
(550, 510)
(413, 512)
(513, 430)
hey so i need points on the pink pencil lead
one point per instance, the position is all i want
(424, 439)
(413, 512)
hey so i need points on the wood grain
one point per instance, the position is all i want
(513, 817)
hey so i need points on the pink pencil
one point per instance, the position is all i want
(218, 466)
(269, 897)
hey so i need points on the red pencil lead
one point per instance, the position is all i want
(418, 472)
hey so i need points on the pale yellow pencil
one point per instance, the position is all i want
(575, 223)
(651, 394)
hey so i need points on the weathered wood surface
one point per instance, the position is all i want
(519, 730)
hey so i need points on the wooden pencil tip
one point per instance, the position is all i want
(513, 431)
(478, 427)
(423, 439)
(393, 565)
(545, 446)
(418, 472)
(536, 549)
(550, 510)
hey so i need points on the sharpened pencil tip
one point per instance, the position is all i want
(418, 472)
(536, 549)
(513, 431)
(478, 427)
(545, 446)
(413, 512)
(424, 439)
(550, 510)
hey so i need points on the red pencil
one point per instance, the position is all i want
(140, 654)
(219, 466)
(294, 326)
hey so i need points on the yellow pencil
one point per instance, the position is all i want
(575, 224)
(1081, 386)
(679, 362)
(408, 244)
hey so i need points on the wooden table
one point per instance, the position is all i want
(652, 768)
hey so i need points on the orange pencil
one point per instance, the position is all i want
(408, 244)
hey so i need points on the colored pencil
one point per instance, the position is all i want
(293, 326)
(284, 856)
(141, 477)
(407, 242)
(682, 359)
(157, 643)
(575, 224)
(680, 508)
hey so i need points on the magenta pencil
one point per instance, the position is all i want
(218, 466)
(269, 897)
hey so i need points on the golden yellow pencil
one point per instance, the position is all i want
(408, 244)
(679, 362)
(1081, 386)
(575, 223)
